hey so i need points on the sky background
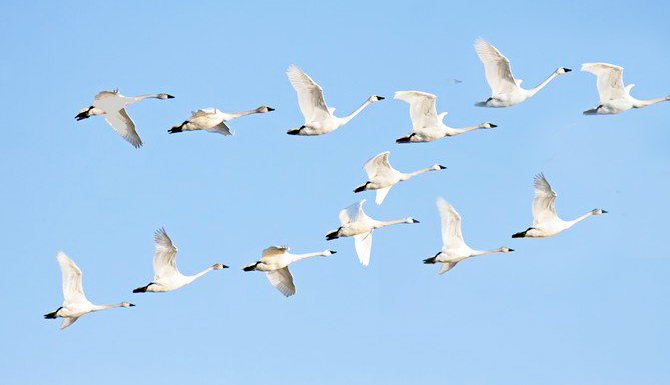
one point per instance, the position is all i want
(587, 306)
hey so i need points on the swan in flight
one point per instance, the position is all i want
(427, 124)
(319, 118)
(505, 89)
(111, 105)
(75, 304)
(381, 176)
(166, 275)
(213, 120)
(355, 223)
(454, 248)
(614, 97)
(545, 220)
(274, 263)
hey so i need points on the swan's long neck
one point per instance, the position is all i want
(464, 129)
(193, 277)
(571, 223)
(644, 103)
(346, 119)
(414, 173)
(103, 307)
(379, 224)
(147, 96)
(297, 257)
(488, 251)
(244, 113)
(533, 91)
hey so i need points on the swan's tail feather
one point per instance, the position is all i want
(52, 314)
(251, 267)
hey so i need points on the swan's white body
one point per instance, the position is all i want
(274, 263)
(505, 89)
(614, 97)
(166, 275)
(213, 120)
(319, 118)
(545, 220)
(427, 124)
(355, 223)
(75, 303)
(381, 176)
(454, 248)
(111, 105)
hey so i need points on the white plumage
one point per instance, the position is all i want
(213, 120)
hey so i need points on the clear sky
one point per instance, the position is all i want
(587, 306)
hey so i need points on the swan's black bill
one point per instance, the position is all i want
(510, 249)
(442, 167)
(605, 211)
(170, 97)
(415, 221)
(225, 267)
(380, 97)
(131, 304)
(567, 69)
(270, 109)
(493, 125)
(333, 251)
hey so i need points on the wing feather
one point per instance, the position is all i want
(310, 95)
(422, 109)
(282, 280)
(497, 68)
(165, 257)
(452, 237)
(543, 203)
(363, 244)
(73, 291)
(124, 125)
(610, 80)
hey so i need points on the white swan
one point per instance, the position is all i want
(355, 223)
(454, 248)
(427, 124)
(614, 97)
(545, 220)
(319, 118)
(505, 89)
(75, 304)
(213, 120)
(381, 176)
(111, 104)
(166, 275)
(274, 263)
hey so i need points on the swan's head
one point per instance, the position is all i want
(488, 125)
(219, 266)
(263, 109)
(375, 98)
(598, 211)
(505, 249)
(438, 167)
(328, 253)
(165, 96)
(126, 304)
(411, 220)
(562, 70)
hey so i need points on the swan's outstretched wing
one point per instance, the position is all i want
(543, 203)
(67, 322)
(73, 292)
(105, 94)
(274, 251)
(422, 108)
(310, 95)
(610, 80)
(204, 112)
(497, 68)
(452, 237)
(363, 243)
(381, 194)
(124, 125)
(165, 257)
(352, 213)
(447, 266)
(378, 165)
(221, 128)
(282, 280)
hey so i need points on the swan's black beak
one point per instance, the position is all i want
(493, 125)
(333, 251)
(442, 167)
(131, 304)
(510, 249)
(225, 267)
(170, 97)
(380, 97)
(605, 211)
(567, 69)
(415, 221)
(270, 109)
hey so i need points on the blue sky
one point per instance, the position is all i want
(587, 306)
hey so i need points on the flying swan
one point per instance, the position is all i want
(505, 89)
(545, 220)
(355, 223)
(166, 275)
(213, 120)
(427, 124)
(75, 304)
(381, 176)
(111, 105)
(454, 248)
(614, 97)
(319, 118)
(274, 263)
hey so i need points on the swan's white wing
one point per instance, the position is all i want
(497, 68)
(381, 194)
(67, 322)
(352, 213)
(73, 292)
(363, 243)
(422, 108)
(310, 95)
(165, 257)
(379, 165)
(282, 280)
(274, 251)
(221, 128)
(447, 266)
(204, 112)
(452, 237)
(610, 80)
(543, 203)
(124, 125)
(105, 94)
